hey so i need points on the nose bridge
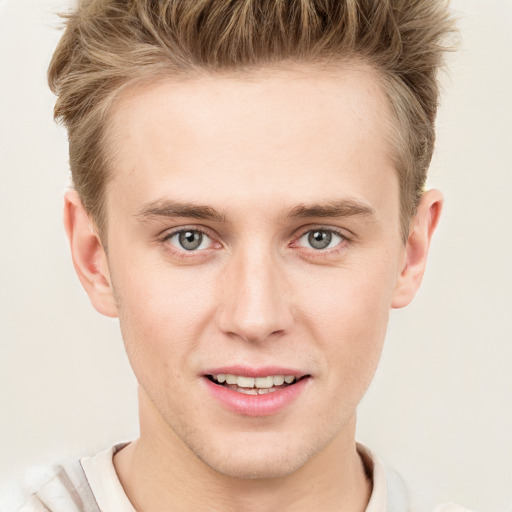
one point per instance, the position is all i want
(255, 303)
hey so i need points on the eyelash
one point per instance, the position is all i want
(316, 253)
(184, 254)
(323, 253)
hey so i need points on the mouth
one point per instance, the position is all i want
(256, 392)
(255, 385)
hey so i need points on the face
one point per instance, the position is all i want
(254, 232)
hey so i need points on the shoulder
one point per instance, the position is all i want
(57, 488)
(28, 495)
(390, 492)
(88, 484)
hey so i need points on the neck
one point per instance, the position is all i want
(159, 472)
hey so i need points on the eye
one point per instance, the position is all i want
(320, 239)
(189, 240)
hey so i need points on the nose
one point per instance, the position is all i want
(256, 300)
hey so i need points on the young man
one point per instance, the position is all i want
(249, 201)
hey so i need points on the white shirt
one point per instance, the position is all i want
(389, 493)
(92, 485)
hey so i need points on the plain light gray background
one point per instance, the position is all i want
(440, 408)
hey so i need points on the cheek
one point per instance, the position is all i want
(356, 297)
(161, 313)
(347, 312)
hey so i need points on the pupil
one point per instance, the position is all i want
(320, 239)
(190, 240)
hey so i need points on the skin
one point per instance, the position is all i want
(256, 150)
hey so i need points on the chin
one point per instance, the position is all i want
(256, 459)
(258, 469)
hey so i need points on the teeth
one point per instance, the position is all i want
(264, 382)
(255, 391)
(248, 391)
(260, 383)
(245, 382)
(279, 380)
(231, 379)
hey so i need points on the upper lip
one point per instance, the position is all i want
(262, 371)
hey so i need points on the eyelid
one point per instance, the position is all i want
(346, 238)
(343, 233)
(321, 253)
(166, 235)
(335, 239)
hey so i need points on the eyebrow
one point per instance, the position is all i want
(333, 209)
(167, 208)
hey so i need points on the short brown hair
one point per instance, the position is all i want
(111, 44)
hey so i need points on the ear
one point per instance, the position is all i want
(89, 257)
(422, 228)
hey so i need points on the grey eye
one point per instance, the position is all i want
(190, 240)
(320, 239)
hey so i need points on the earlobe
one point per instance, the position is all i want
(416, 250)
(89, 258)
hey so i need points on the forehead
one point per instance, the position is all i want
(278, 132)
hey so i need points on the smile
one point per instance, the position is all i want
(254, 392)
(253, 385)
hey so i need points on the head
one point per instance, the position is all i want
(256, 170)
(111, 46)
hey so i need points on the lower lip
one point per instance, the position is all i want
(257, 405)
